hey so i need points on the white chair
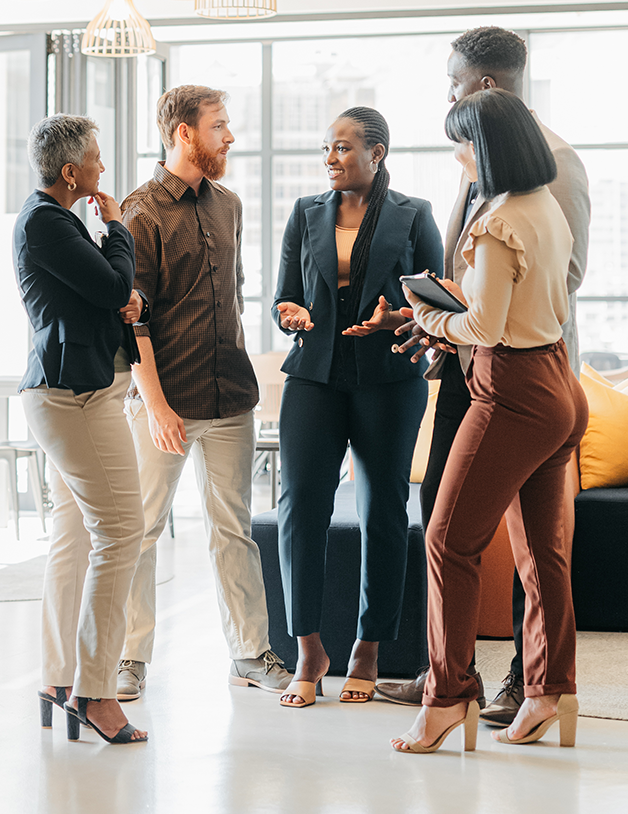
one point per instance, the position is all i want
(10, 451)
(270, 378)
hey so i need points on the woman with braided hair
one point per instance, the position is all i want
(338, 293)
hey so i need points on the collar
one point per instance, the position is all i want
(177, 187)
(331, 196)
(48, 198)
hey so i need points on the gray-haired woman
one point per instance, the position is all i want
(78, 297)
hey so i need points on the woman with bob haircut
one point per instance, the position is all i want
(527, 415)
(80, 302)
(338, 294)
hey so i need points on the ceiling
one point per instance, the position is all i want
(33, 12)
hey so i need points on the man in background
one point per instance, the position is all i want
(483, 58)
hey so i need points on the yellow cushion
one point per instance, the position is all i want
(604, 448)
(592, 373)
(622, 387)
(424, 440)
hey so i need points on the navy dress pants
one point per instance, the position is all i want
(381, 422)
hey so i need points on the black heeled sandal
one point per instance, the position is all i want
(45, 705)
(76, 717)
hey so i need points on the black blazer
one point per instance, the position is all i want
(72, 290)
(406, 241)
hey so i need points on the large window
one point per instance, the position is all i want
(22, 100)
(285, 93)
(14, 188)
(150, 85)
(285, 90)
(586, 113)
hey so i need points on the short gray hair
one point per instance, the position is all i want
(56, 141)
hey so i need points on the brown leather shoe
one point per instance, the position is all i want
(410, 693)
(505, 706)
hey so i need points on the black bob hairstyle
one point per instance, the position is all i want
(511, 153)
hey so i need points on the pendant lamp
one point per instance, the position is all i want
(119, 30)
(235, 9)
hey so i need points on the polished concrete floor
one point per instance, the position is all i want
(229, 750)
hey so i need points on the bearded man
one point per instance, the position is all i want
(195, 389)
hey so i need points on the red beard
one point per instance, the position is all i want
(212, 165)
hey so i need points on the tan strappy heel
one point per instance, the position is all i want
(567, 717)
(469, 734)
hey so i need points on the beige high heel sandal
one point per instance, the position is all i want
(358, 685)
(469, 734)
(567, 717)
(307, 690)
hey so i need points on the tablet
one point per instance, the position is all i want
(428, 288)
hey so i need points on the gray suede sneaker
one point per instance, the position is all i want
(131, 679)
(264, 672)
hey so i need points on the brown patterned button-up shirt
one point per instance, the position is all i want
(188, 264)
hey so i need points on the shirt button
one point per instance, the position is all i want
(214, 269)
(209, 234)
(220, 340)
(300, 341)
(219, 305)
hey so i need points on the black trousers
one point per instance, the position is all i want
(381, 422)
(452, 404)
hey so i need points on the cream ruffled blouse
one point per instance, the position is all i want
(516, 281)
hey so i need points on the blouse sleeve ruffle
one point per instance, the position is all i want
(501, 230)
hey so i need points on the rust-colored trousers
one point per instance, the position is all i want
(528, 413)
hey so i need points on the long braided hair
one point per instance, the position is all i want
(373, 130)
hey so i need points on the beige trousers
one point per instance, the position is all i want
(222, 450)
(96, 533)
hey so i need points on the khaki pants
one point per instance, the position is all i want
(97, 532)
(222, 450)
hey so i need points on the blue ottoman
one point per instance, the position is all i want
(400, 658)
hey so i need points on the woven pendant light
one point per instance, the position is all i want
(119, 30)
(236, 9)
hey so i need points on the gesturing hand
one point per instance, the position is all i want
(381, 320)
(294, 317)
(419, 336)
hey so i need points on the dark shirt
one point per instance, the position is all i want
(189, 266)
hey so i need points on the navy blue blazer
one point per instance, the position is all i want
(406, 241)
(72, 290)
